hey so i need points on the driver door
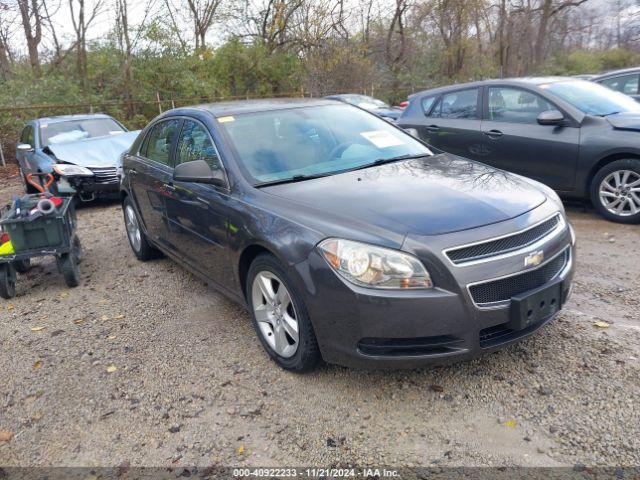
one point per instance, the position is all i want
(198, 212)
(514, 140)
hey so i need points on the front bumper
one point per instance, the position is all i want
(90, 188)
(369, 328)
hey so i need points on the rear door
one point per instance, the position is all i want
(514, 141)
(197, 212)
(452, 122)
(150, 173)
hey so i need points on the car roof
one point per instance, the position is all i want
(515, 81)
(613, 73)
(66, 118)
(237, 107)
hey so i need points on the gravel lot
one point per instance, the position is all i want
(145, 364)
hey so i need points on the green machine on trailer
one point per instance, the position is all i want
(38, 225)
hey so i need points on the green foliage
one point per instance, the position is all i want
(590, 61)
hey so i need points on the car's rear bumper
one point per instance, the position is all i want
(369, 328)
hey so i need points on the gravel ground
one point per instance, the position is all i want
(144, 364)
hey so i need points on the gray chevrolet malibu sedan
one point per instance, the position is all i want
(347, 239)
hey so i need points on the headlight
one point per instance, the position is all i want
(376, 267)
(68, 170)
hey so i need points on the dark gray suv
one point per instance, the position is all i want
(578, 137)
(347, 238)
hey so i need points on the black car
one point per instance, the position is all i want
(347, 238)
(626, 81)
(579, 138)
(373, 105)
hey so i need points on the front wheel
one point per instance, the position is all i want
(615, 191)
(280, 316)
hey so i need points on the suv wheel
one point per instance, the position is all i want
(141, 247)
(615, 191)
(280, 316)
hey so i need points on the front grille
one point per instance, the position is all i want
(496, 291)
(105, 175)
(504, 244)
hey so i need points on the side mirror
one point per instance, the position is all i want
(550, 117)
(24, 147)
(199, 171)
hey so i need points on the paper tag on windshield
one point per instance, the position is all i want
(382, 139)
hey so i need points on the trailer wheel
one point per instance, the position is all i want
(7, 281)
(68, 263)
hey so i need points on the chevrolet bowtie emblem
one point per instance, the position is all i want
(534, 259)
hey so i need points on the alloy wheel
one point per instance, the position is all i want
(133, 228)
(619, 193)
(275, 313)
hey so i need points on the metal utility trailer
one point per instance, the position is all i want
(52, 234)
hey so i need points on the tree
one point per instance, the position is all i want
(30, 13)
(202, 14)
(81, 24)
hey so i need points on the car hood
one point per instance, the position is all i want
(430, 196)
(94, 152)
(625, 121)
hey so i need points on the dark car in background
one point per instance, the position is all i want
(625, 81)
(373, 105)
(577, 137)
(83, 150)
(347, 238)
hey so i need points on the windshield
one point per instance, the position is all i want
(282, 144)
(364, 101)
(591, 98)
(73, 130)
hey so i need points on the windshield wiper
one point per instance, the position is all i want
(294, 179)
(383, 161)
(607, 114)
(375, 163)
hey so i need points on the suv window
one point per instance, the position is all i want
(515, 105)
(460, 104)
(195, 143)
(159, 141)
(625, 83)
(27, 136)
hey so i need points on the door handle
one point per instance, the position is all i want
(493, 133)
(433, 128)
(169, 188)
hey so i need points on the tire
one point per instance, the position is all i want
(275, 325)
(7, 281)
(141, 247)
(68, 263)
(22, 266)
(615, 191)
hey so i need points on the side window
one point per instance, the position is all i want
(427, 103)
(515, 105)
(28, 136)
(195, 143)
(159, 141)
(460, 104)
(626, 83)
